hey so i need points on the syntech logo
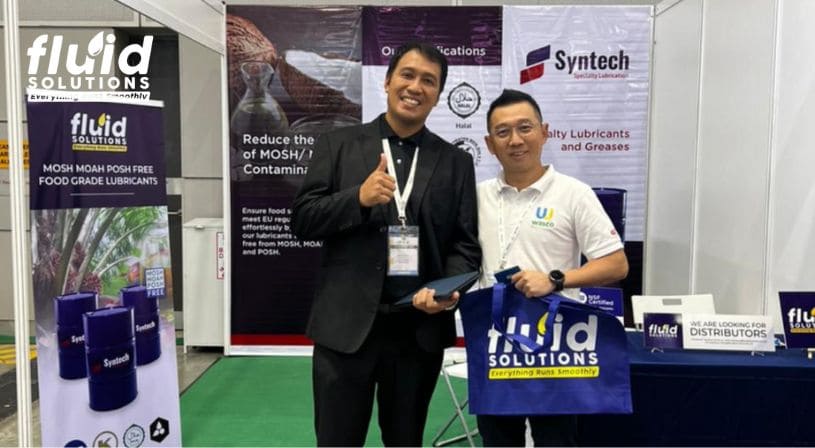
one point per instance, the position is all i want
(801, 320)
(579, 65)
(98, 134)
(534, 64)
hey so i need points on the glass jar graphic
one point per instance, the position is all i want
(257, 114)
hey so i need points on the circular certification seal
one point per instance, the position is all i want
(464, 100)
(134, 436)
(471, 146)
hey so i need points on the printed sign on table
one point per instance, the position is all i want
(798, 315)
(728, 332)
(662, 330)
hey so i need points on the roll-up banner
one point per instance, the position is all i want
(289, 67)
(103, 289)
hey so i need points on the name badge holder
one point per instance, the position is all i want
(403, 250)
(403, 240)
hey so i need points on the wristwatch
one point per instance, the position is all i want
(557, 278)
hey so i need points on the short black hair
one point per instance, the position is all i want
(508, 97)
(429, 51)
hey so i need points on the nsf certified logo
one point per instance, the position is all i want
(464, 100)
(469, 145)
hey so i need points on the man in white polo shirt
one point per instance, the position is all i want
(540, 220)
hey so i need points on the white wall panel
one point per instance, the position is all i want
(201, 198)
(733, 153)
(201, 127)
(74, 13)
(672, 157)
(792, 200)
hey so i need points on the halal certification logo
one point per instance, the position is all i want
(464, 100)
(469, 145)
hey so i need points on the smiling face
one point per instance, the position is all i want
(413, 90)
(516, 137)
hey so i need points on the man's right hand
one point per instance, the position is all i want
(378, 188)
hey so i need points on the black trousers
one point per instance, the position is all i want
(389, 365)
(547, 430)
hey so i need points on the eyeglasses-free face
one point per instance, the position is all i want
(413, 90)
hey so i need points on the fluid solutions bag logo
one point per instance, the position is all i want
(547, 355)
(91, 67)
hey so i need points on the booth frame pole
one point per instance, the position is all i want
(21, 272)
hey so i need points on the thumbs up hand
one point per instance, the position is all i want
(378, 188)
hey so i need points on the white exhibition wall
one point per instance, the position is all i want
(792, 194)
(729, 207)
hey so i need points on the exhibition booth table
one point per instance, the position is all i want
(711, 398)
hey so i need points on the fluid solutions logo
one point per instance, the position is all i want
(664, 331)
(572, 353)
(92, 67)
(101, 134)
(801, 320)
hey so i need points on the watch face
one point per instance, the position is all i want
(557, 278)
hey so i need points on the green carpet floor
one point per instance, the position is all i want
(266, 401)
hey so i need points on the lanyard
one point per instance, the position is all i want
(401, 198)
(515, 231)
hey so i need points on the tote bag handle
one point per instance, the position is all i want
(520, 341)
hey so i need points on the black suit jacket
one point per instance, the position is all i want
(355, 247)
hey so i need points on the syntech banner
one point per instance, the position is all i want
(297, 72)
(589, 69)
(103, 289)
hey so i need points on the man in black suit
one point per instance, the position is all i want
(389, 224)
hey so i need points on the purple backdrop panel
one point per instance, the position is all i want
(466, 35)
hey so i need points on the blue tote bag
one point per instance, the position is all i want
(548, 355)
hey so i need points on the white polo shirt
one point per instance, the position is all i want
(546, 226)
